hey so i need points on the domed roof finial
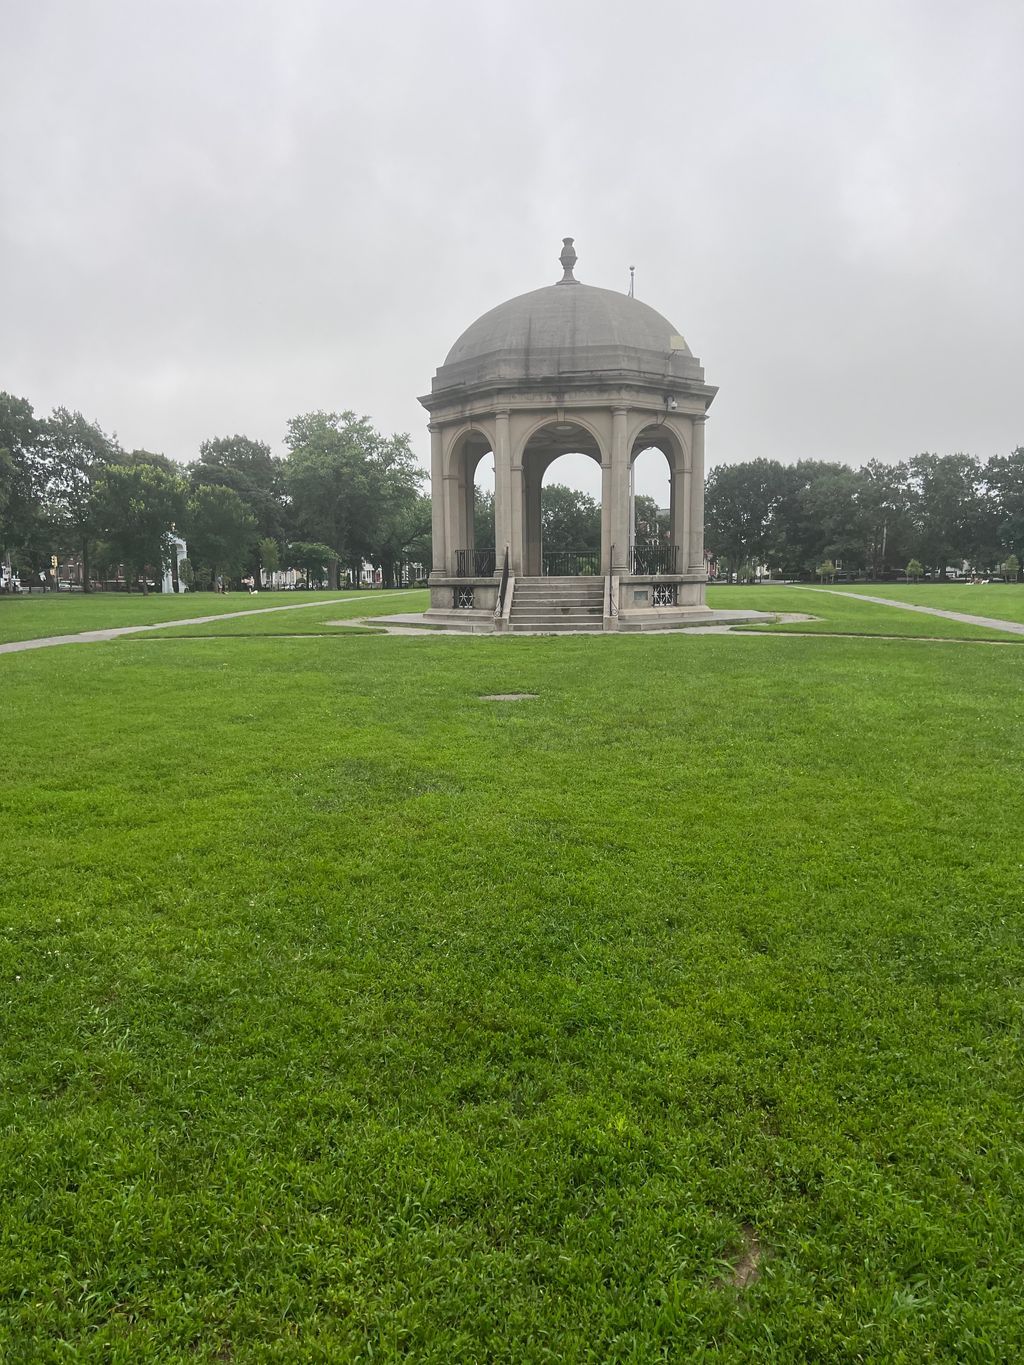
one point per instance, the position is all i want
(568, 259)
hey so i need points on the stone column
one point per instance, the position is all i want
(696, 554)
(681, 499)
(439, 557)
(468, 491)
(517, 510)
(606, 512)
(533, 477)
(502, 489)
(619, 493)
(452, 519)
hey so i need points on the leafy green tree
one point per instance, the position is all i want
(483, 518)
(137, 506)
(741, 507)
(828, 516)
(1004, 479)
(403, 535)
(948, 508)
(345, 481)
(1011, 568)
(75, 452)
(22, 479)
(885, 502)
(311, 557)
(827, 571)
(570, 520)
(220, 530)
(269, 553)
(645, 509)
(915, 570)
(249, 469)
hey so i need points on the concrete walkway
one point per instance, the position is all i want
(965, 618)
(88, 637)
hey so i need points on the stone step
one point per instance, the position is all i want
(556, 627)
(581, 614)
(518, 601)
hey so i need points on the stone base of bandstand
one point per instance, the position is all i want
(636, 612)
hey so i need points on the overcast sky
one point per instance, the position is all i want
(216, 214)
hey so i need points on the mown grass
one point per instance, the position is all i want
(33, 615)
(314, 620)
(841, 614)
(1002, 600)
(348, 1017)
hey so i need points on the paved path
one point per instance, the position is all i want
(87, 637)
(965, 618)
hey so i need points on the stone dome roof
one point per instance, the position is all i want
(567, 329)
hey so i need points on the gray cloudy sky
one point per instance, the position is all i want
(215, 214)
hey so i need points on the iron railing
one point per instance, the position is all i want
(569, 563)
(655, 558)
(474, 563)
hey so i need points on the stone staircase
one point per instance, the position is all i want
(558, 604)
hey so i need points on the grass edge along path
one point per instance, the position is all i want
(846, 614)
(115, 632)
(962, 617)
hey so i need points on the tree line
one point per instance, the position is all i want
(343, 495)
(929, 514)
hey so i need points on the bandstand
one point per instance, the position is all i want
(569, 368)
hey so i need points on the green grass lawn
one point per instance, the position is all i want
(1003, 600)
(313, 620)
(349, 1017)
(846, 615)
(34, 615)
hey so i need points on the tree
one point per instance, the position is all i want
(1011, 568)
(402, 535)
(741, 509)
(249, 469)
(570, 520)
(885, 501)
(914, 570)
(137, 506)
(269, 554)
(483, 518)
(346, 481)
(948, 508)
(21, 478)
(220, 530)
(827, 571)
(819, 518)
(649, 525)
(1004, 479)
(75, 453)
(310, 556)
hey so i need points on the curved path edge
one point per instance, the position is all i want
(965, 618)
(88, 637)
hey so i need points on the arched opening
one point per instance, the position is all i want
(562, 516)
(471, 470)
(656, 485)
